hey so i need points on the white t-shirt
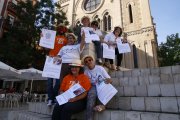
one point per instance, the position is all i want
(69, 53)
(86, 29)
(110, 37)
(97, 75)
(98, 32)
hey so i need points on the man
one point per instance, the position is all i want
(60, 41)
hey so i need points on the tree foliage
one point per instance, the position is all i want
(19, 45)
(169, 52)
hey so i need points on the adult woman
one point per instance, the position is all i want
(97, 74)
(111, 39)
(70, 53)
(77, 104)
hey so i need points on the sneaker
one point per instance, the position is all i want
(99, 60)
(49, 103)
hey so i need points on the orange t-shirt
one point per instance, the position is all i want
(60, 41)
(69, 80)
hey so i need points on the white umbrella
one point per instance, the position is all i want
(7, 71)
(31, 74)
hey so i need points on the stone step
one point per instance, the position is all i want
(160, 71)
(154, 90)
(26, 115)
(148, 104)
(105, 115)
(146, 80)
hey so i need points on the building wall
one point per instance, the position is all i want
(140, 32)
(7, 13)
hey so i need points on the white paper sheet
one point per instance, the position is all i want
(123, 48)
(48, 38)
(105, 92)
(52, 68)
(72, 92)
(108, 52)
(95, 37)
(90, 35)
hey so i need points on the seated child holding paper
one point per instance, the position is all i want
(97, 43)
(97, 74)
(111, 39)
(78, 103)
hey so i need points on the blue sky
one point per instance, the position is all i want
(166, 16)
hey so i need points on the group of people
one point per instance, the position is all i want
(83, 71)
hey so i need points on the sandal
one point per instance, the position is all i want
(99, 108)
(107, 65)
(118, 68)
(113, 67)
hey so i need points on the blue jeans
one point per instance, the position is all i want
(98, 48)
(91, 102)
(65, 111)
(53, 91)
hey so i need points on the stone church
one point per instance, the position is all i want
(134, 16)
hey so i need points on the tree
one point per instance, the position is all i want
(169, 52)
(49, 15)
(19, 46)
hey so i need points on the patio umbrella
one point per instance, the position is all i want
(31, 74)
(8, 72)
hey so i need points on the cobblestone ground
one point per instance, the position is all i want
(4, 111)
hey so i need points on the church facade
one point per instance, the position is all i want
(133, 16)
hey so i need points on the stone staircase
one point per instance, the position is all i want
(143, 94)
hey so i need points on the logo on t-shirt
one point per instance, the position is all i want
(60, 40)
(71, 83)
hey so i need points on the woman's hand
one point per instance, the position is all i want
(124, 40)
(57, 60)
(41, 34)
(108, 80)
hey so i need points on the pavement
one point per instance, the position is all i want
(4, 111)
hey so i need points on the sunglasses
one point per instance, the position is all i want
(70, 38)
(88, 60)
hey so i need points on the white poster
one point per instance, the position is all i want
(108, 52)
(48, 38)
(90, 35)
(94, 36)
(52, 68)
(123, 47)
(72, 92)
(105, 92)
